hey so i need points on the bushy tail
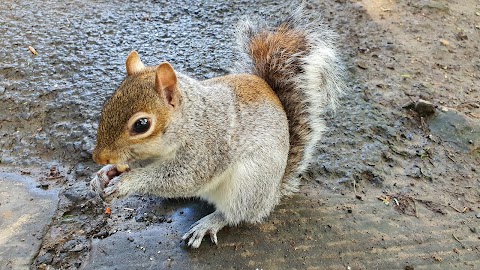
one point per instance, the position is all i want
(299, 61)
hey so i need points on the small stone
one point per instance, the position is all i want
(80, 170)
(43, 186)
(362, 65)
(25, 115)
(45, 259)
(69, 245)
(78, 248)
(6, 160)
(139, 218)
(461, 36)
(424, 108)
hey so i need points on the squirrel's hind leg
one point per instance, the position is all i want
(209, 224)
(246, 192)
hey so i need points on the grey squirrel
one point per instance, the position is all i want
(239, 141)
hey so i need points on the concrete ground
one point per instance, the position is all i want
(26, 212)
(394, 186)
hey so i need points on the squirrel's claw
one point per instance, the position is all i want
(112, 188)
(97, 184)
(209, 224)
(213, 238)
(102, 179)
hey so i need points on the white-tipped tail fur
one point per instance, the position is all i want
(298, 59)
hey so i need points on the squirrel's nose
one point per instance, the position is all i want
(100, 157)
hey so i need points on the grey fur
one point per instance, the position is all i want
(225, 152)
(234, 153)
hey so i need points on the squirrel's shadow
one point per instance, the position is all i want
(154, 210)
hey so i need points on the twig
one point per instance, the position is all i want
(54, 177)
(354, 186)
(463, 246)
(448, 153)
(415, 206)
(396, 201)
(456, 209)
(428, 201)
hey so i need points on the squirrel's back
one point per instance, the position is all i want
(299, 61)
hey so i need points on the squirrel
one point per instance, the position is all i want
(239, 141)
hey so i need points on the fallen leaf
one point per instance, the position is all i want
(32, 50)
(437, 258)
(445, 42)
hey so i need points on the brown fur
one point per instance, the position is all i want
(134, 64)
(272, 51)
(122, 106)
(249, 88)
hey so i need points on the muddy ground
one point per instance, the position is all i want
(396, 185)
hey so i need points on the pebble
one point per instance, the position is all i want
(424, 108)
(80, 170)
(45, 258)
(362, 65)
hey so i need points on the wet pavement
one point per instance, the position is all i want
(391, 189)
(315, 230)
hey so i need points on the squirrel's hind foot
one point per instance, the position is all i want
(209, 224)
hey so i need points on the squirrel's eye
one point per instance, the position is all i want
(141, 125)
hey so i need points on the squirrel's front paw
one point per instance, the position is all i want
(209, 224)
(105, 181)
(112, 187)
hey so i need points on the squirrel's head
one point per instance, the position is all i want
(135, 117)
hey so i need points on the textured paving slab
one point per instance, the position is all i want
(313, 230)
(26, 211)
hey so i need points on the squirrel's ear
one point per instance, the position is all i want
(134, 64)
(166, 84)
